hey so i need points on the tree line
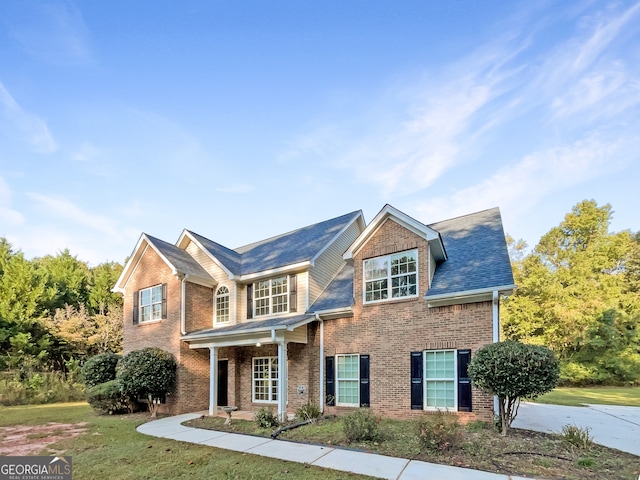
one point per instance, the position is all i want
(579, 294)
(55, 311)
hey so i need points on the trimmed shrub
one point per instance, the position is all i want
(265, 418)
(511, 371)
(439, 432)
(108, 398)
(100, 368)
(361, 426)
(149, 373)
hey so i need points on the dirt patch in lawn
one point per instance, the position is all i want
(32, 439)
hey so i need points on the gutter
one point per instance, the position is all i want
(183, 306)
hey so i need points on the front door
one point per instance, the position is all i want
(223, 382)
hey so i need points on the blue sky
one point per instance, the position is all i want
(242, 120)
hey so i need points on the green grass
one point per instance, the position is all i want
(579, 396)
(111, 448)
(478, 446)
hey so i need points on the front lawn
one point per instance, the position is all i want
(577, 397)
(110, 447)
(477, 445)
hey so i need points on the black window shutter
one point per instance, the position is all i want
(164, 300)
(416, 381)
(293, 293)
(464, 382)
(250, 301)
(330, 383)
(136, 307)
(365, 399)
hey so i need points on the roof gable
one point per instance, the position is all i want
(389, 212)
(179, 261)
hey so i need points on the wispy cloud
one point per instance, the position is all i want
(28, 125)
(7, 214)
(561, 93)
(522, 185)
(63, 208)
(53, 32)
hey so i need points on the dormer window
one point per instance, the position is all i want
(271, 296)
(222, 305)
(391, 276)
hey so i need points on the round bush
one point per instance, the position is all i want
(100, 368)
(108, 398)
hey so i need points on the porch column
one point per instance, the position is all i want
(283, 375)
(213, 380)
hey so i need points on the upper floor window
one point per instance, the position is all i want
(271, 296)
(391, 276)
(151, 304)
(222, 305)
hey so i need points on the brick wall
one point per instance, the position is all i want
(198, 307)
(390, 330)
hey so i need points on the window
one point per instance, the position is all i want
(271, 296)
(151, 303)
(439, 380)
(391, 276)
(265, 379)
(348, 380)
(222, 305)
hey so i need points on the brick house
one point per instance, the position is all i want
(339, 313)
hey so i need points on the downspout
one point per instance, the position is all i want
(183, 307)
(321, 389)
(496, 336)
(496, 316)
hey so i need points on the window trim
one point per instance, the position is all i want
(338, 380)
(150, 305)
(217, 296)
(271, 296)
(454, 380)
(389, 278)
(272, 382)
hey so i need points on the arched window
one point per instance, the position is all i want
(222, 305)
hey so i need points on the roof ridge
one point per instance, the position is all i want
(269, 239)
(465, 215)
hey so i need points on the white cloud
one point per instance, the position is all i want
(7, 214)
(65, 209)
(30, 127)
(522, 185)
(53, 32)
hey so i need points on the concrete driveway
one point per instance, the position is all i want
(612, 426)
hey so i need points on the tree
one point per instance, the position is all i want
(102, 279)
(148, 373)
(21, 286)
(512, 371)
(67, 281)
(576, 273)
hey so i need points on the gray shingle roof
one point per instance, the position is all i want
(477, 254)
(338, 294)
(181, 260)
(287, 249)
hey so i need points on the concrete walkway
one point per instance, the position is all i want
(611, 426)
(322, 456)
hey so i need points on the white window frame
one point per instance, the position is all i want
(272, 382)
(338, 380)
(453, 379)
(220, 296)
(269, 285)
(389, 277)
(155, 314)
